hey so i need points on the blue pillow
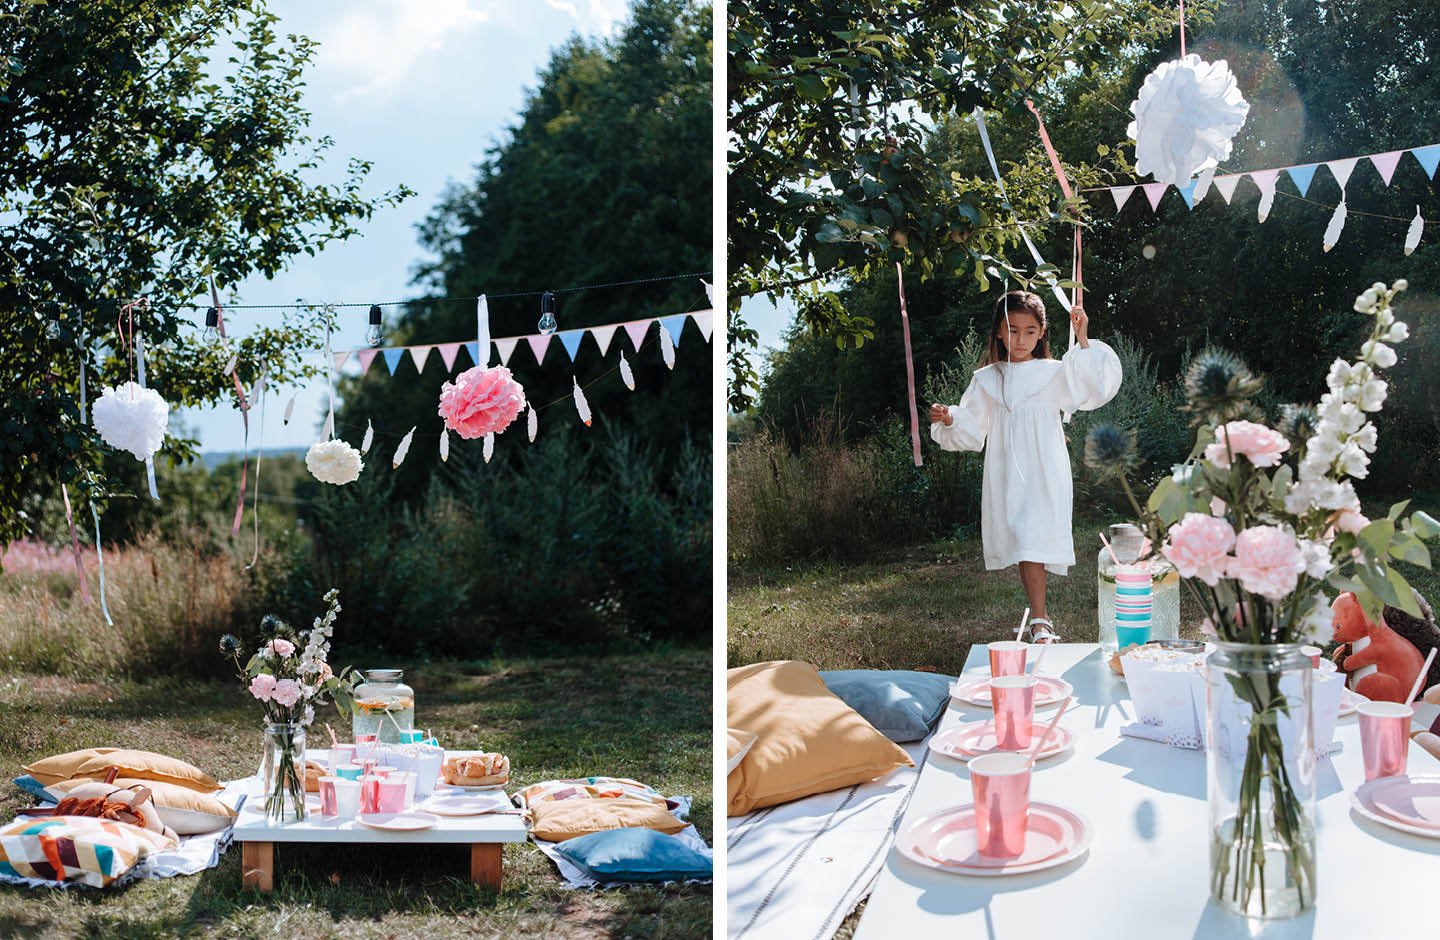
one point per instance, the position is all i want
(33, 787)
(902, 705)
(635, 855)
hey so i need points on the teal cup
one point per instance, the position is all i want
(1129, 635)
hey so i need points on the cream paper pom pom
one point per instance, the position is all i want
(334, 462)
(1185, 117)
(132, 418)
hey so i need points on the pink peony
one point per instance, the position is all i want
(1267, 561)
(1352, 521)
(262, 686)
(1260, 444)
(1197, 547)
(287, 693)
(481, 401)
(280, 648)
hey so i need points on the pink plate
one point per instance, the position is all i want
(1048, 691)
(946, 840)
(1361, 803)
(1413, 800)
(978, 737)
(398, 822)
(1350, 701)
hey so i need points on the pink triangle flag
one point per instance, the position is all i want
(1341, 169)
(506, 347)
(539, 342)
(447, 354)
(340, 358)
(420, 354)
(636, 329)
(603, 335)
(1153, 192)
(1386, 163)
(705, 319)
(1225, 185)
(366, 356)
(1121, 194)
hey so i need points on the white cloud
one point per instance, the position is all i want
(372, 48)
(599, 16)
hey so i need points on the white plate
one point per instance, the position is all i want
(441, 787)
(464, 805)
(398, 822)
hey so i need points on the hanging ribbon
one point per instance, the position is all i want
(138, 342)
(259, 453)
(1182, 29)
(329, 371)
(75, 546)
(482, 331)
(909, 367)
(1069, 194)
(244, 410)
(101, 555)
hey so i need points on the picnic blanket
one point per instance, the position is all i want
(796, 871)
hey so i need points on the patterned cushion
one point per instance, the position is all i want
(75, 848)
(589, 788)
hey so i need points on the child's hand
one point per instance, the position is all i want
(941, 414)
(1081, 323)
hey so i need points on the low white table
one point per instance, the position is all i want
(257, 836)
(1147, 871)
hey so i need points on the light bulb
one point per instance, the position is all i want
(374, 333)
(547, 322)
(212, 321)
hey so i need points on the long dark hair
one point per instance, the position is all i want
(1015, 301)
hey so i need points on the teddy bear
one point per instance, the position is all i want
(1384, 659)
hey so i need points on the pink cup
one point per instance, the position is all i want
(329, 805)
(390, 797)
(370, 793)
(1013, 698)
(365, 745)
(1314, 652)
(1384, 740)
(1007, 658)
(383, 770)
(1001, 783)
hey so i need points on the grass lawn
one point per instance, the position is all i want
(643, 716)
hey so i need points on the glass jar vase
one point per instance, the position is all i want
(1260, 779)
(384, 706)
(282, 769)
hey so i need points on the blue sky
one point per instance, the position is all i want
(422, 88)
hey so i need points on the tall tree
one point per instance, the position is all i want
(133, 164)
(605, 177)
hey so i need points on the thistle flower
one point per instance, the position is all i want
(271, 624)
(1218, 387)
(1110, 450)
(1298, 423)
(229, 645)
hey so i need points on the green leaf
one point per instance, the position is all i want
(1376, 537)
(1406, 547)
(1425, 526)
(812, 86)
(1397, 509)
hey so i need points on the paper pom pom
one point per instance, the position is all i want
(334, 462)
(132, 418)
(481, 401)
(1185, 117)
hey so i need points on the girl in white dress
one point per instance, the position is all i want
(1017, 401)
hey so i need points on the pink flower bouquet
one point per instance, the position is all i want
(481, 401)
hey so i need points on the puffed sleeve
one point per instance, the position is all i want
(970, 421)
(1088, 377)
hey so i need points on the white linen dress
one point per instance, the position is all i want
(1019, 408)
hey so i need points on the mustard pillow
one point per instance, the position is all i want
(558, 820)
(737, 745)
(188, 812)
(808, 740)
(139, 765)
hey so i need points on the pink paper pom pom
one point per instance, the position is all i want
(481, 401)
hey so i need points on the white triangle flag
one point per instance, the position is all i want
(420, 354)
(603, 335)
(709, 291)
(1332, 231)
(1341, 170)
(1412, 237)
(340, 358)
(705, 320)
(1121, 194)
(506, 347)
(1225, 186)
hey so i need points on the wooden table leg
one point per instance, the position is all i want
(257, 865)
(485, 864)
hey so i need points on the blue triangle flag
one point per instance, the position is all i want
(1302, 175)
(474, 350)
(1188, 193)
(570, 339)
(674, 326)
(1428, 157)
(392, 357)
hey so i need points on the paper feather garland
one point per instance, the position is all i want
(582, 407)
(444, 445)
(1332, 231)
(1412, 237)
(289, 409)
(230, 366)
(488, 450)
(626, 375)
(667, 347)
(402, 450)
(369, 437)
(532, 422)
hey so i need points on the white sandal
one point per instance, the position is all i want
(1043, 631)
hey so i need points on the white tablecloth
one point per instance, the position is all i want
(1147, 872)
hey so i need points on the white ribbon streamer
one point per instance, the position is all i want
(101, 555)
(482, 329)
(139, 340)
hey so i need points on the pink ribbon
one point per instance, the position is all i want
(75, 546)
(909, 367)
(1069, 194)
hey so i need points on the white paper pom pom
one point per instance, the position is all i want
(334, 462)
(132, 418)
(1187, 113)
